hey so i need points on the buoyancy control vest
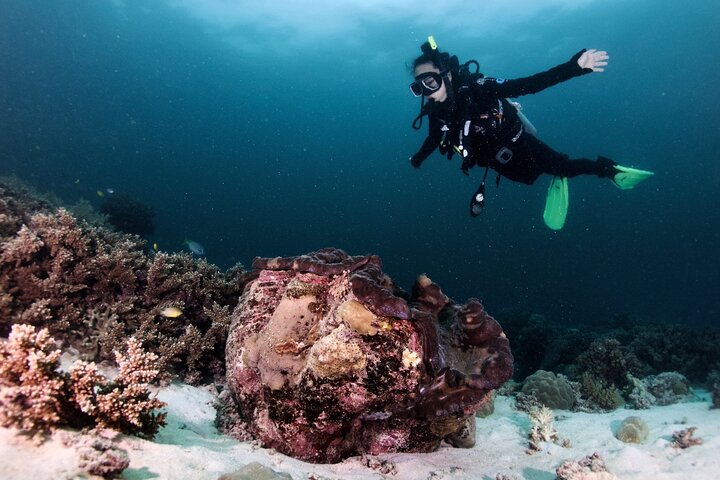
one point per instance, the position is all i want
(487, 127)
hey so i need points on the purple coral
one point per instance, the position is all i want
(326, 359)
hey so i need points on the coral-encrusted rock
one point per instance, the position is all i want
(326, 359)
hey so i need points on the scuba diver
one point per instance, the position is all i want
(470, 115)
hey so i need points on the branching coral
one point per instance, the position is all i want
(542, 429)
(125, 404)
(36, 396)
(32, 392)
(93, 288)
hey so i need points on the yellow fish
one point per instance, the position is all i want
(171, 312)
(100, 193)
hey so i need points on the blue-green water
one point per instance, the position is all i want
(276, 130)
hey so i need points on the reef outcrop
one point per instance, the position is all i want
(326, 358)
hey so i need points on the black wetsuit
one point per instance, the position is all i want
(482, 126)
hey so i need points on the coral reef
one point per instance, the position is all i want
(622, 346)
(35, 396)
(93, 288)
(632, 430)
(691, 352)
(543, 345)
(605, 370)
(326, 358)
(553, 391)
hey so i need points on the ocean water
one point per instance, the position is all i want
(277, 129)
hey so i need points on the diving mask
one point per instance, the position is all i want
(426, 84)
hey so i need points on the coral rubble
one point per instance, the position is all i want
(326, 358)
(592, 467)
(685, 438)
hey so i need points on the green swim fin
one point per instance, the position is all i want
(628, 177)
(556, 204)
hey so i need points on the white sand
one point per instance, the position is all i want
(189, 447)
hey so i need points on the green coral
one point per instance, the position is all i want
(599, 392)
(553, 391)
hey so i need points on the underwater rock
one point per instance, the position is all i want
(326, 359)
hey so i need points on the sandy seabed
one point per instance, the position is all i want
(189, 447)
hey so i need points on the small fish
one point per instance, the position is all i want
(195, 248)
(110, 190)
(77, 180)
(100, 193)
(155, 246)
(171, 312)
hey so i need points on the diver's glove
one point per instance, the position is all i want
(416, 161)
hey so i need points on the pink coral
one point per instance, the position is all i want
(35, 396)
(31, 390)
(125, 404)
(327, 359)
